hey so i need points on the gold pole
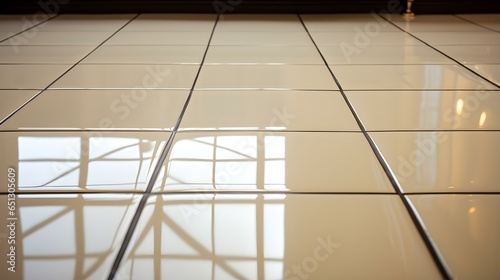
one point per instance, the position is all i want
(409, 14)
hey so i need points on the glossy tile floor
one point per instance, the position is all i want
(160, 146)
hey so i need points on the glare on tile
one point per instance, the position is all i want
(271, 161)
(466, 229)
(275, 127)
(442, 161)
(460, 106)
(62, 236)
(425, 110)
(243, 236)
(482, 119)
(81, 161)
(408, 76)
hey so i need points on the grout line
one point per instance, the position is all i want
(433, 130)
(257, 192)
(29, 28)
(170, 131)
(264, 192)
(65, 72)
(83, 131)
(441, 52)
(348, 90)
(475, 23)
(453, 193)
(257, 89)
(226, 131)
(424, 234)
(196, 77)
(156, 172)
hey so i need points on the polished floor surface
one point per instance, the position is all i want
(161, 146)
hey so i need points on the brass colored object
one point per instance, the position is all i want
(409, 14)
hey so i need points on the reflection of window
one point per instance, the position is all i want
(40, 158)
(239, 162)
(275, 163)
(72, 163)
(71, 236)
(223, 236)
(125, 155)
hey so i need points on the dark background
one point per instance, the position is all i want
(243, 6)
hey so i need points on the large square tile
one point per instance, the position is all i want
(466, 229)
(29, 76)
(18, 23)
(248, 22)
(11, 100)
(85, 161)
(263, 55)
(136, 109)
(459, 38)
(160, 38)
(65, 236)
(320, 162)
(172, 22)
(266, 77)
(427, 110)
(43, 54)
(361, 40)
(473, 53)
(86, 22)
(60, 38)
(350, 54)
(488, 71)
(128, 76)
(261, 38)
(4, 35)
(435, 162)
(146, 55)
(276, 237)
(290, 110)
(434, 23)
(401, 77)
(490, 21)
(362, 23)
